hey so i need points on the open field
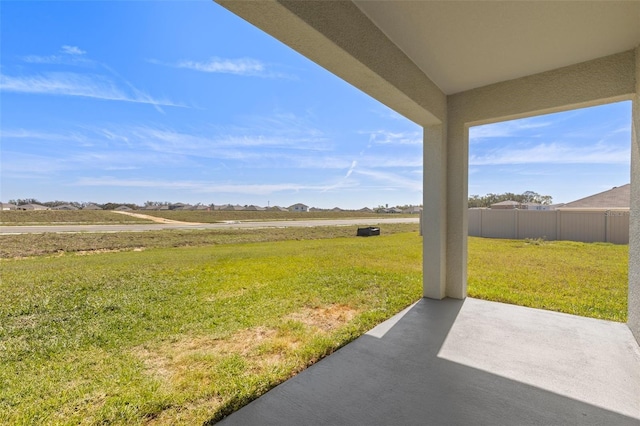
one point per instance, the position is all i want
(25, 245)
(65, 217)
(184, 335)
(221, 215)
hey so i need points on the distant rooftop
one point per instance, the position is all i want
(618, 197)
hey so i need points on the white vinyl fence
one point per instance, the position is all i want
(611, 226)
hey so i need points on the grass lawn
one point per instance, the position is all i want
(65, 217)
(184, 335)
(200, 216)
(23, 245)
(587, 279)
(177, 335)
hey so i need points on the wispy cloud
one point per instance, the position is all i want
(200, 186)
(239, 66)
(42, 136)
(72, 50)
(507, 128)
(392, 180)
(70, 55)
(96, 86)
(73, 84)
(385, 137)
(553, 153)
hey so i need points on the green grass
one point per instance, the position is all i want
(24, 245)
(588, 279)
(65, 217)
(188, 334)
(215, 216)
(173, 335)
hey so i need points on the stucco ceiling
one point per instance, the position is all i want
(503, 40)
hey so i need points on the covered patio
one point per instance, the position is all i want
(448, 66)
(455, 362)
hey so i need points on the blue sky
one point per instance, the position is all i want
(185, 102)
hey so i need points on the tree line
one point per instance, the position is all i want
(525, 197)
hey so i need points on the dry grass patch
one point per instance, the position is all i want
(325, 319)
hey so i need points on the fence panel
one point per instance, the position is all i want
(618, 227)
(475, 222)
(582, 226)
(585, 226)
(498, 223)
(537, 224)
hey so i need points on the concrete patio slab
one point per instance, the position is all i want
(455, 362)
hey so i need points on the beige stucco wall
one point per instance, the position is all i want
(634, 225)
(434, 241)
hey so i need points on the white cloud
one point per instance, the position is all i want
(239, 66)
(72, 50)
(41, 136)
(73, 84)
(506, 128)
(243, 66)
(70, 55)
(553, 153)
(392, 180)
(200, 186)
(384, 137)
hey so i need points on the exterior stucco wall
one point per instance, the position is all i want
(633, 318)
(434, 241)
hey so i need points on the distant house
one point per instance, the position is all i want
(393, 210)
(32, 207)
(181, 206)
(123, 209)
(506, 205)
(278, 209)
(535, 206)
(231, 208)
(413, 210)
(91, 207)
(8, 206)
(365, 210)
(255, 208)
(618, 197)
(299, 207)
(65, 207)
(202, 207)
(336, 209)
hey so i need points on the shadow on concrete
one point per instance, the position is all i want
(402, 378)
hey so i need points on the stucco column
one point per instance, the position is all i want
(457, 201)
(434, 218)
(633, 319)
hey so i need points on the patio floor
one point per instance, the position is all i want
(470, 362)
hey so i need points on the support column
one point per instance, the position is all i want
(633, 319)
(434, 214)
(457, 205)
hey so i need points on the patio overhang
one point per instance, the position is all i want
(451, 65)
